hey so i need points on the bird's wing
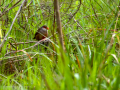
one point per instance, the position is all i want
(35, 35)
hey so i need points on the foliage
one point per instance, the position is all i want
(91, 38)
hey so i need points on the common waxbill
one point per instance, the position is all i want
(41, 33)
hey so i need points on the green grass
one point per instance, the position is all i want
(87, 63)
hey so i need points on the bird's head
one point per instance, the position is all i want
(44, 26)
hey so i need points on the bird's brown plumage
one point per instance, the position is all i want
(41, 33)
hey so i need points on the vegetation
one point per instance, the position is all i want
(90, 61)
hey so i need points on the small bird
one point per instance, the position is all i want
(41, 33)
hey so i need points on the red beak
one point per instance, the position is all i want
(47, 28)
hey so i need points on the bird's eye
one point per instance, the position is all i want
(44, 27)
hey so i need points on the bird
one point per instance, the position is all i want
(41, 33)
